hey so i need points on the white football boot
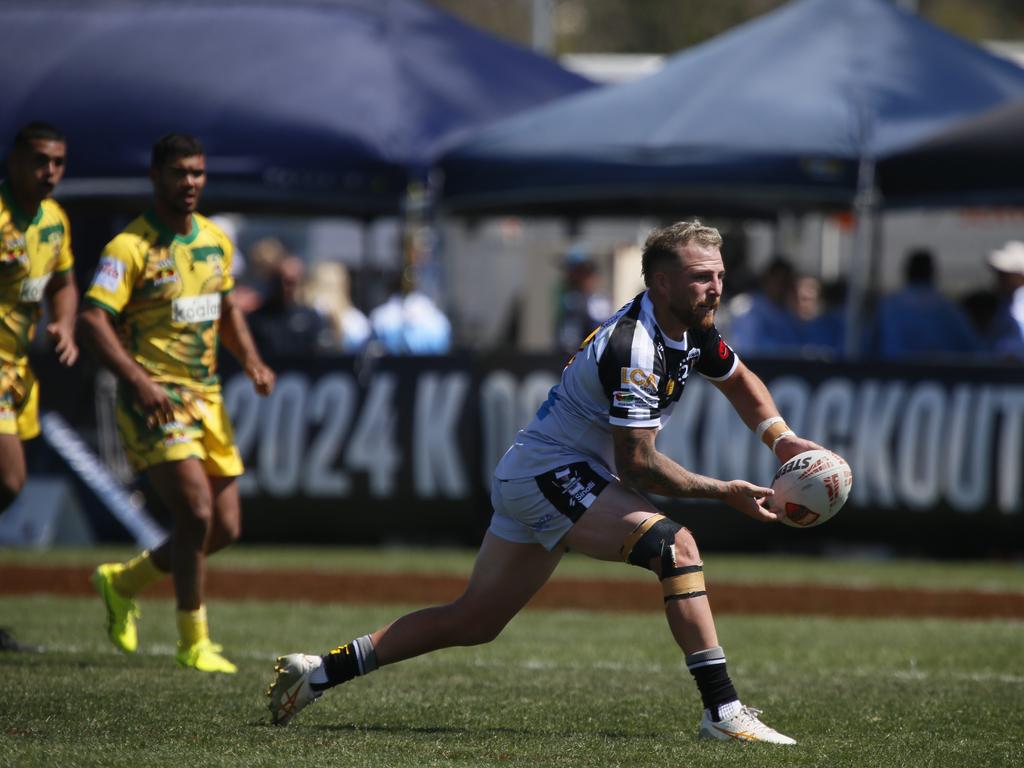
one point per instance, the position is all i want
(291, 692)
(744, 725)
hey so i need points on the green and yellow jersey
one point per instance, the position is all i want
(33, 248)
(164, 291)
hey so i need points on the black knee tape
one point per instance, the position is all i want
(656, 542)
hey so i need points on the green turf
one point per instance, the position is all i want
(558, 688)
(848, 571)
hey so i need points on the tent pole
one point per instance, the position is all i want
(864, 205)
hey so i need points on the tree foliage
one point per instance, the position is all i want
(666, 26)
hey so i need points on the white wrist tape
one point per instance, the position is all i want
(765, 424)
(787, 433)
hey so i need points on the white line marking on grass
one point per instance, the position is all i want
(542, 665)
(152, 649)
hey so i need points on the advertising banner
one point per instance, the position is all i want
(401, 449)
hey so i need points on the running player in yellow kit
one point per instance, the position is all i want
(158, 304)
(35, 265)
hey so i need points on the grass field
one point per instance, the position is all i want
(558, 688)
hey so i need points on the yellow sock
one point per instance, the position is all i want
(138, 573)
(192, 626)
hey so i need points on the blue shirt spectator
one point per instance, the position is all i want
(825, 335)
(581, 306)
(411, 324)
(920, 322)
(761, 321)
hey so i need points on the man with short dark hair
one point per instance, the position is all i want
(35, 266)
(576, 476)
(918, 322)
(158, 305)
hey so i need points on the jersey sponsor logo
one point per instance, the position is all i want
(638, 377)
(196, 309)
(723, 350)
(109, 273)
(164, 272)
(13, 250)
(32, 289)
(165, 276)
(622, 399)
(631, 398)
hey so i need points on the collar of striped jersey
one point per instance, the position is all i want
(648, 307)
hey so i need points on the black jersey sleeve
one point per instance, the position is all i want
(717, 359)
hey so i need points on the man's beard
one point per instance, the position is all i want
(696, 316)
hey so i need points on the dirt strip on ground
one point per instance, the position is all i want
(586, 594)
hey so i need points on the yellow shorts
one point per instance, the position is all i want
(19, 401)
(201, 430)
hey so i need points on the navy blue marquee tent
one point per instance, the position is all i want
(306, 103)
(979, 161)
(779, 113)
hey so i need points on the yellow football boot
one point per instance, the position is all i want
(121, 611)
(204, 656)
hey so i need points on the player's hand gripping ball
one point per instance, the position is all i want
(810, 488)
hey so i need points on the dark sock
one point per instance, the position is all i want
(347, 661)
(712, 678)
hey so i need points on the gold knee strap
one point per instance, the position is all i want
(637, 534)
(688, 583)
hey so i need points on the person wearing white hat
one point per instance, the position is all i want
(1008, 324)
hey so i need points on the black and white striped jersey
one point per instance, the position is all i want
(627, 373)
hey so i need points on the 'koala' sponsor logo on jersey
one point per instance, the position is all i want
(32, 289)
(196, 309)
(109, 273)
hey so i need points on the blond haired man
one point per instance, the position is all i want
(575, 477)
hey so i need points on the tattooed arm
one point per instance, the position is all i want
(643, 467)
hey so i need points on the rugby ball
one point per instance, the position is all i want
(810, 488)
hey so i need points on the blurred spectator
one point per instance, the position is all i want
(805, 299)
(409, 323)
(581, 306)
(261, 265)
(761, 320)
(979, 308)
(825, 335)
(1008, 324)
(919, 322)
(284, 327)
(327, 291)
